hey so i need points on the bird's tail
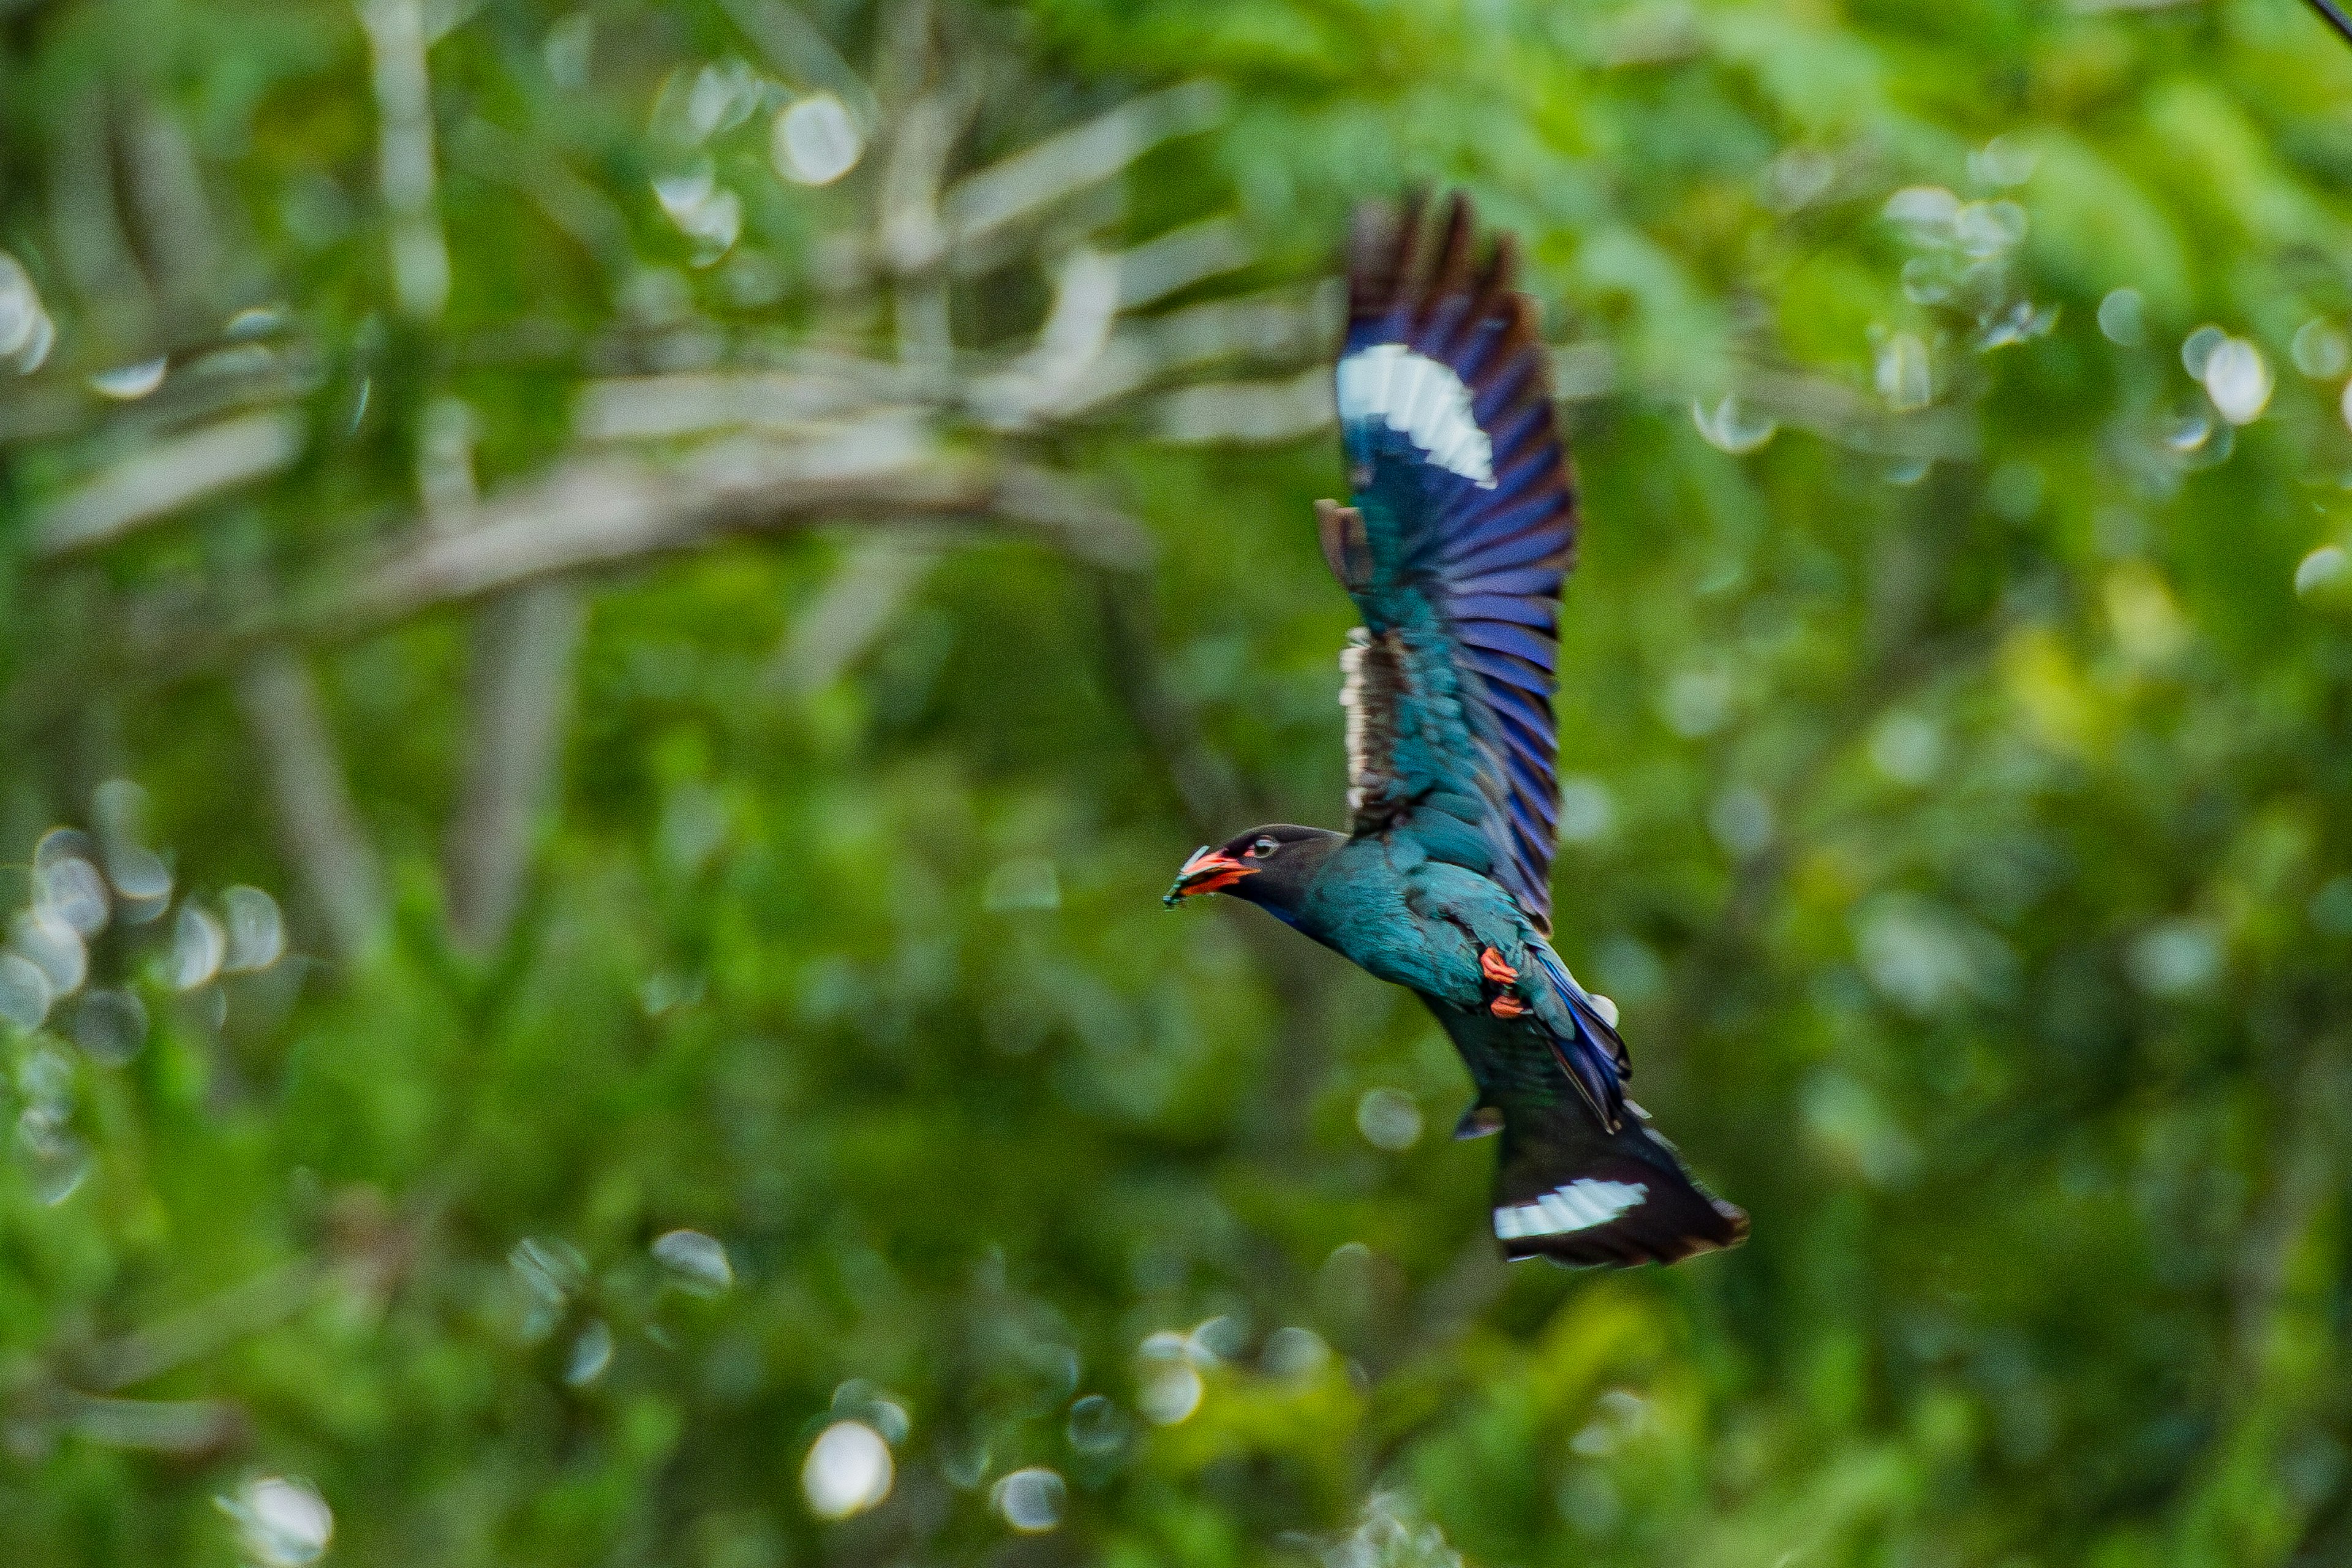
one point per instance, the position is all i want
(1570, 1191)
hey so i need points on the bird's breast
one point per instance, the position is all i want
(1367, 918)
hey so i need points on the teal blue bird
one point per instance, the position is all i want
(1462, 532)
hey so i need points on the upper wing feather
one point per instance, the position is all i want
(1463, 530)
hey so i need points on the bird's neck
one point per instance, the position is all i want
(1290, 918)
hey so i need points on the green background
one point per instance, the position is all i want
(1959, 800)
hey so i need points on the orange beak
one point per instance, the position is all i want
(1207, 871)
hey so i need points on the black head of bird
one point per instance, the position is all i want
(1271, 866)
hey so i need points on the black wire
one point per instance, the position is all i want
(2333, 15)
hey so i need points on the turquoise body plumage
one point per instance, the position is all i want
(1386, 905)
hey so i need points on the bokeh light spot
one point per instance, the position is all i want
(815, 141)
(281, 1522)
(848, 1470)
(698, 1261)
(1030, 1499)
(1388, 1119)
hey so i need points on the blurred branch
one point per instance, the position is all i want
(164, 476)
(801, 53)
(208, 380)
(908, 227)
(1086, 301)
(85, 217)
(980, 205)
(40, 413)
(1179, 258)
(875, 579)
(1246, 411)
(81, 1390)
(968, 228)
(824, 437)
(1277, 329)
(188, 1427)
(404, 93)
(317, 821)
(1080, 364)
(570, 203)
(175, 224)
(611, 511)
(518, 698)
(2306, 1176)
(520, 695)
(1842, 414)
(186, 1336)
(696, 403)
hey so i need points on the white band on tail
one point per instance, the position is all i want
(1579, 1206)
(1421, 398)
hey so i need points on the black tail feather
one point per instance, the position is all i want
(1570, 1191)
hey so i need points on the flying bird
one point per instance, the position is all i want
(1462, 529)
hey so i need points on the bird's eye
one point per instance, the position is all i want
(1262, 847)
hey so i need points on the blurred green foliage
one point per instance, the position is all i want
(1959, 732)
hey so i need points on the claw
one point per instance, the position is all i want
(1491, 964)
(1506, 1007)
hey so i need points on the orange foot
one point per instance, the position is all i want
(1506, 1007)
(1491, 964)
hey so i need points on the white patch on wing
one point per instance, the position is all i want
(1420, 397)
(1581, 1204)
(1367, 692)
(1351, 702)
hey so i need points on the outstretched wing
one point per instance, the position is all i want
(1463, 530)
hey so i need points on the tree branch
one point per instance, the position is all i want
(610, 512)
(162, 478)
(875, 579)
(980, 205)
(520, 698)
(404, 93)
(315, 819)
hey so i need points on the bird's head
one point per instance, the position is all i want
(1270, 867)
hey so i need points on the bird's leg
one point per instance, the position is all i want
(1345, 549)
(1507, 1004)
